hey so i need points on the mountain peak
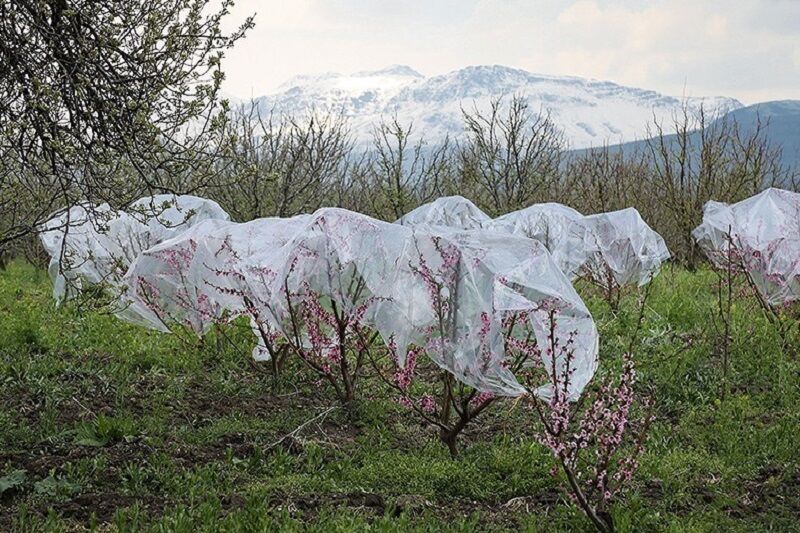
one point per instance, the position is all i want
(590, 112)
(392, 70)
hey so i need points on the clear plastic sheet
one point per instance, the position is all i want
(760, 235)
(167, 215)
(549, 224)
(450, 211)
(90, 245)
(459, 290)
(620, 247)
(97, 244)
(172, 283)
(335, 258)
(204, 274)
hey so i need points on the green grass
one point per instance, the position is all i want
(108, 426)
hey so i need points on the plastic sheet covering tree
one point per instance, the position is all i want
(167, 216)
(470, 296)
(450, 211)
(96, 244)
(206, 273)
(90, 245)
(759, 235)
(620, 247)
(325, 290)
(242, 269)
(344, 274)
(172, 283)
(549, 224)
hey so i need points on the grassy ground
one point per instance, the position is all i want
(108, 426)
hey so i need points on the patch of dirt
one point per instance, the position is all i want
(92, 396)
(771, 487)
(40, 460)
(201, 405)
(104, 506)
(21, 400)
(372, 505)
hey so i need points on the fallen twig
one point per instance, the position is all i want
(299, 428)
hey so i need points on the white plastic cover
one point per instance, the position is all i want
(168, 215)
(100, 243)
(449, 211)
(620, 247)
(472, 284)
(765, 232)
(196, 278)
(549, 224)
(336, 256)
(97, 244)
(168, 284)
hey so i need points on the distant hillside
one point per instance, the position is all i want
(783, 128)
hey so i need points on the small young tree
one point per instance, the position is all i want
(753, 271)
(331, 339)
(753, 245)
(437, 396)
(319, 293)
(595, 438)
(466, 345)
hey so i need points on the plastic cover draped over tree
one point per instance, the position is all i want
(458, 290)
(449, 211)
(549, 224)
(167, 215)
(381, 276)
(620, 247)
(98, 244)
(765, 233)
(91, 244)
(171, 283)
(195, 278)
(336, 259)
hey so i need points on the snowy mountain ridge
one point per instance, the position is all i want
(590, 112)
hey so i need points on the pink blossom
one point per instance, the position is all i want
(427, 404)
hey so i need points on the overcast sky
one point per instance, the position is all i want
(748, 49)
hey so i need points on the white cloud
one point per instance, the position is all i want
(742, 48)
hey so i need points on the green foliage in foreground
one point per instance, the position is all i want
(108, 426)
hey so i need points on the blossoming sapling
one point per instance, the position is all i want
(594, 439)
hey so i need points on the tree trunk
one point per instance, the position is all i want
(448, 438)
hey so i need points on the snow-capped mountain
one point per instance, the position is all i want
(590, 112)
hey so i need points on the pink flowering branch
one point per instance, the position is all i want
(329, 338)
(754, 266)
(184, 304)
(434, 394)
(592, 439)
